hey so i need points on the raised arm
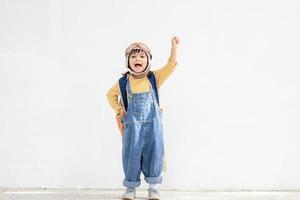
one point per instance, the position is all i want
(173, 56)
(163, 73)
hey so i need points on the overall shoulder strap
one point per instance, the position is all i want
(122, 85)
(152, 80)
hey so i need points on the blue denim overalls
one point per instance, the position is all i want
(143, 145)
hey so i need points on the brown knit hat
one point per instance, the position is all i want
(138, 45)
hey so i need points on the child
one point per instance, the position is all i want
(140, 118)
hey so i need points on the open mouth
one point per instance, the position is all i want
(137, 65)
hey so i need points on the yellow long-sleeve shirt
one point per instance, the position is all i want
(139, 85)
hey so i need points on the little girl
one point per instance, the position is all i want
(140, 117)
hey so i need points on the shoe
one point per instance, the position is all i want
(129, 194)
(153, 194)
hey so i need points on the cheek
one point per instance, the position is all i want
(130, 62)
(145, 60)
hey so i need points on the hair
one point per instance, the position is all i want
(125, 73)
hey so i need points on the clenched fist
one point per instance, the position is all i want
(175, 41)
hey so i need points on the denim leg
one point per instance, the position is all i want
(152, 154)
(131, 154)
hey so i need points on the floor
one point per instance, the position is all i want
(95, 194)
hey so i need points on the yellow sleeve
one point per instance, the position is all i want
(113, 96)
(163, 73)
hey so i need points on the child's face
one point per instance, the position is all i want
(138, 61)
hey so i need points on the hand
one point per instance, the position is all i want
(122, 112)
(120, 125)
(119, 118)
(175, 41)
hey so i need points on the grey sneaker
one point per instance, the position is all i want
(129, 194)
(153, 194)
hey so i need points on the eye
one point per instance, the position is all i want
(142, 56)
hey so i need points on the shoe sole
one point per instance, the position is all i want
(125, 198)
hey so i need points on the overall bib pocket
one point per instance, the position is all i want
(141, 107)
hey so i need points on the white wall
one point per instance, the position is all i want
(231, 109)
